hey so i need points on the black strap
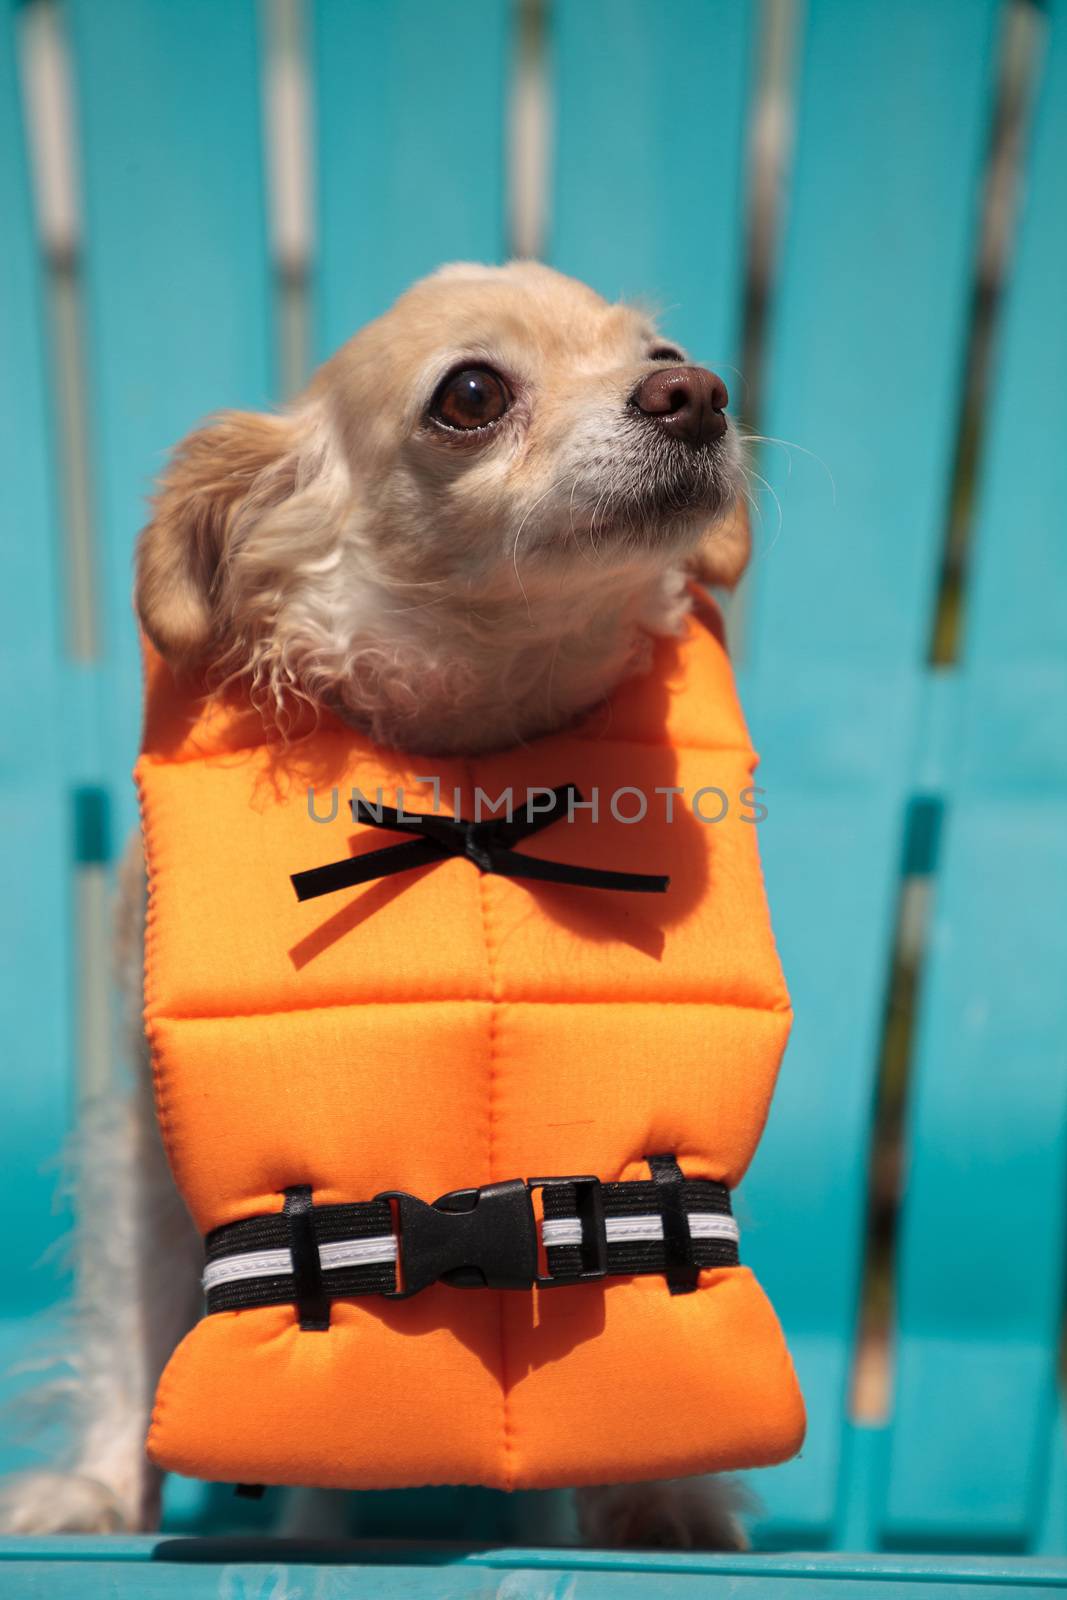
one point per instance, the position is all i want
(681, 1266)
(309, 1292)
(365, 1232)
(488, 844)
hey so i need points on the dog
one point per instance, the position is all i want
(465, 533)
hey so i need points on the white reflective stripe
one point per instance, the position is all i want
(268, 1263)
(382, 1246)
(253, 1264)
(702, 1225)
(358, 1252)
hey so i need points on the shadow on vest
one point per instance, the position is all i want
(516, 1332)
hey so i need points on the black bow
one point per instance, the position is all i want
(488, 844)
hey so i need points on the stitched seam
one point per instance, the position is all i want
(779, 1010)
(149, 970)
(492, 1102)
(171, 1374)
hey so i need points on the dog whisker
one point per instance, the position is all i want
(778, 503)
(788, 445)
(515, 542)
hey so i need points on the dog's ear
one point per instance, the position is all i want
(236, 467)
(722, 555)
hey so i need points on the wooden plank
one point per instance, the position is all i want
(177, 287)
(63, 1581)
(1052, 1534)
(984, 1231)
(159, 1568)
(650, 158)
(870, 324)
(868, 337)
(411, 140)
(35, 831)
(981, 1278)
(178, 283)
(400, 1583)
(30, 595)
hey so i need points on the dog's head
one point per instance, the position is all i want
(502, 442)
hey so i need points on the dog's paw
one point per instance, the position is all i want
(680, 1514)
(60, 1502)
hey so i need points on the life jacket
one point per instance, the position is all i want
(445, 1029)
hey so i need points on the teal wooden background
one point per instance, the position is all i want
(162, 1569)
(183, 295)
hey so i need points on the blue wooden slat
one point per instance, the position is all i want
(650, 156)
(30, 594)
(983, 1244)
(831, 872)
(1052, 1533)
(1015, 610)
(178, 287)
(870, 324)
(177, 275)
(154, 1569)
(984, 1239)
(867, 348)
(411, 139)
(58, 1581)
(35, 832)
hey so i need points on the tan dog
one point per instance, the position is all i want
(458, 534)
(461, 536)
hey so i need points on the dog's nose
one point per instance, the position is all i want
(687, 402)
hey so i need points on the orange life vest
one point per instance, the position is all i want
(448, 1028)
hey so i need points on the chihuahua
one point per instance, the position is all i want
(467, 531)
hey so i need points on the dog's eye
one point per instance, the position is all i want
(665, 352)
(473, 398)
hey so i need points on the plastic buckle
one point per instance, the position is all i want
(470, 1238)
(594, 1246)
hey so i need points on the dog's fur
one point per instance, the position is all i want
(446, 591)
